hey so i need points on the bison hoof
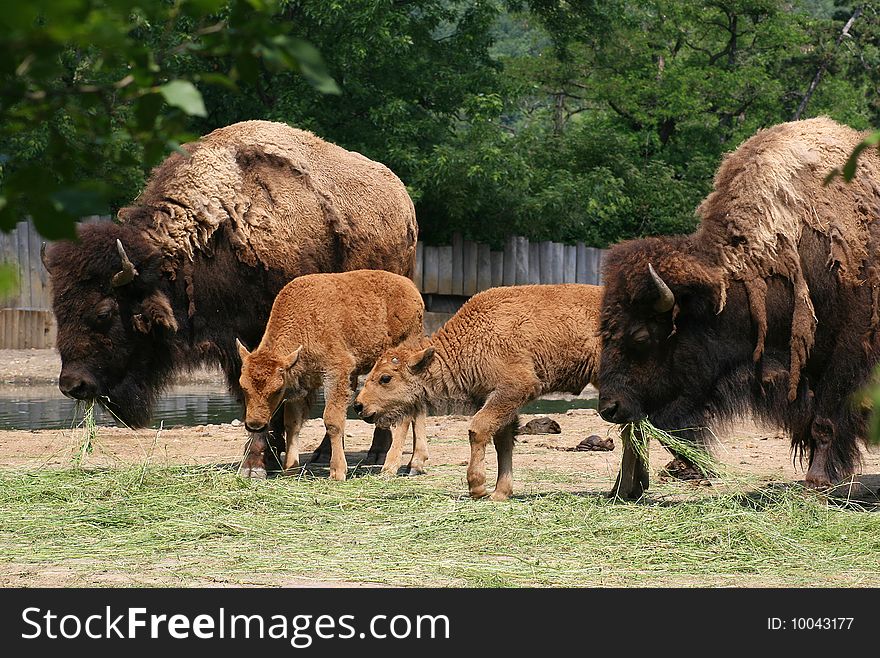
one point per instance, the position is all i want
(387, 472)
(818, 482)
(254, 472)
(414, 470)
(633, 493)
(479, 492)
(337, 474)
(499, 496)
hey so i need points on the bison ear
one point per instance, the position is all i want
(155, 311)
(420, 360)
(291, 359)
(242, 350)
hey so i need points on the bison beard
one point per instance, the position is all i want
(770, 314)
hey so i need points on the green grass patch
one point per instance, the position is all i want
(197, 523)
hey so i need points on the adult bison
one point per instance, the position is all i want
(200, 256)
(771, 307)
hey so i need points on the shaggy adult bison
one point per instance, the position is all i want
(771, 307)
(200, 256)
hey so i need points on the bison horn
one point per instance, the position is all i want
(666, 300)
(128, 272)
(43, 256)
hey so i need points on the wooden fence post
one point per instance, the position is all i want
(457, 269)
(469, 260)
(523, 253)
(558, 262)
(431, 272)
(570, 275)
(484, 267)
(534, 262)
(497, 258)
(509, 270)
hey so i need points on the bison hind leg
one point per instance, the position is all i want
(504, 439)
(382, 439)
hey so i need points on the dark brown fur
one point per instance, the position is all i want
(741, 338)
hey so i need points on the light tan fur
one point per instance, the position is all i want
(504, 348)
(283, 196)
(326, 329)
(766, 192)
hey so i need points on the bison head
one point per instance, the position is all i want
(267, 380)
(659, 327)
(114, 319)
(393, 388)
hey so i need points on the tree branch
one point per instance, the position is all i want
(824, 65)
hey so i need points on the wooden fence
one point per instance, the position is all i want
(465, 268)
(25, 316)
(461, 269)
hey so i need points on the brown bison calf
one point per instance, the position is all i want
(327, 329)
(504, 348)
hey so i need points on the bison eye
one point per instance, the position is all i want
(384, 379)
(640, 336)
(101, 317)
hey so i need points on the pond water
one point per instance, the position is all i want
(43, 407)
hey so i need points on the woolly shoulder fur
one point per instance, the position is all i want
(274, 190)
(772, 187)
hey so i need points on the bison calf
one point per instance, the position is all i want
(327, 329)
(504, 348)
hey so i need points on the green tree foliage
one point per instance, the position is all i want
(615, 128)
(566, 120)
(95, 92)
(413, 74)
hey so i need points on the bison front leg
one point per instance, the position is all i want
(495, 416)
(476, 472)
(322, 452)
(295, 413)
(398, 433)
(633, 479)
(682, 468)
(420, 445)
(334, 422)
(254, 463)
(830, 461)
